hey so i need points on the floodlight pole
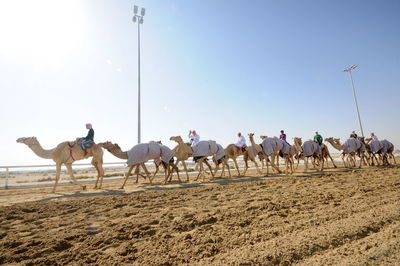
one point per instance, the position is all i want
(355, 96)
(139, 19)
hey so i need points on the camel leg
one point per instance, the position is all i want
(209, 167)
(71, 174)
(394, 160)
(273, 164)
(58, 173)
(253, 159)
(147, 172)
(185, 168)
(258, 169)
(266, 163)
(322, 163)
(173, 167)
(217, 168)
(246, 166)
(236, 165)
(306, 164)
(330, 157)
(200, 162)
(227, 166)
(128, 174)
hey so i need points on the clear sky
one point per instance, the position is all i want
(219, 67)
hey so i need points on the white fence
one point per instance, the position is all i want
(7, 168)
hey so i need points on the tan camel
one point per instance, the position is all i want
(67, 153)
(232, 152)
(310, 149)
(373, 150)
(257, 148)
(182, 152)
(270, 149)
(338, 146)
(116, 150)
(224, 160)
(326, 154)
(297, 143)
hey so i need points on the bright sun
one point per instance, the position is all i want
(41, 30)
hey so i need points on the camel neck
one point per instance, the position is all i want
(337, 146)
(39, 151)
(118, 153)
(297, 145)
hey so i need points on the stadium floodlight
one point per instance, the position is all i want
(355, 96)
(139, 19)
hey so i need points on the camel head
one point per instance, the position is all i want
(330, 139)
(108, 145)
(263, 137)
(337, 141)
(177, 139)
(298, 141)
(362, 139)
(28, 141)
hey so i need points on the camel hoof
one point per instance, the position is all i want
(121, 188)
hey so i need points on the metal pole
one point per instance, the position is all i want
(6, 181)
(355, 100)
(139, 129)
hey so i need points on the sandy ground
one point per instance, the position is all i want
(336, 217)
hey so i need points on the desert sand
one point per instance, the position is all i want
(346, 217)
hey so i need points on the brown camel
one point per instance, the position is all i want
(67, 153)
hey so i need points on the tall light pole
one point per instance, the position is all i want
(139, 19)
(354, 93)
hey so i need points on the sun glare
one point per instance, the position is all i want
(44, 31)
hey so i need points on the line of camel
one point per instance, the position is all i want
(369, 151)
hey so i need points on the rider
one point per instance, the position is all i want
(353, 135)
(194, 137)
(88, 140)
(282, 136)
(318, 138)
(241, 143)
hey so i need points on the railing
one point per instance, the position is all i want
(8, 167)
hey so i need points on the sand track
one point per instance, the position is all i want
(338, 218)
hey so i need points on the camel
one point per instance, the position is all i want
(388, 150)
(375, 147)
(309, 148)
(350, 148)
(182, 152)
(232, 152)
(384, 148)
(221, 157)
(271, 148)
(67, 153)
(202, 150)
(141, 153)
(256, 149)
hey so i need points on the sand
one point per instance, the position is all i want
(346, 217)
